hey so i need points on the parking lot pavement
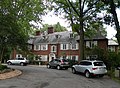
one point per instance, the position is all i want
(35, 76)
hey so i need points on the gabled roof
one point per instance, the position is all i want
(112, 42)
(96, 37)
(63, 37)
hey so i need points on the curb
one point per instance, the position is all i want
(11, 74)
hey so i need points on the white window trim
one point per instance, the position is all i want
(74, 48)
(35, 47)
(91, 44)
(44, 45)
(63, 48)
(52, 48)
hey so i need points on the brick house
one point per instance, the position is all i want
(113, 46)
(49, 45)
(98, 41)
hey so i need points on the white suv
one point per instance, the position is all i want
(90, 68)
(21, 61)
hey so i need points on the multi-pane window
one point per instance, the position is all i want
(36, 47)
(64, 46)
(91, 44)
(74, 46)
(53, 48)
(73, 57)
(44, 47)
(111, 48)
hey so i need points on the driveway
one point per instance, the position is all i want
(41, 77)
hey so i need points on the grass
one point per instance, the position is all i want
(111, 74)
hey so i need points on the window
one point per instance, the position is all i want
(53, 48)
(98, 63)
(71, 35)
(111, 48)
(91, 44)
(73, 57)
(44, 47)
(44, 58)
(37, 47)
(20, 58)
(64, 46)
(74, 46)
(85, 63)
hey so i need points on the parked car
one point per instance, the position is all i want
(19, 61)
(90, 68)
(58, 63)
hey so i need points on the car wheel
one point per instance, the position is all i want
(73, 71)
(22, 64)
(48, 66)
(58, 67)
(9, 63)
(87, 74)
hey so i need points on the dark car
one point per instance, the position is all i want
(58, 63)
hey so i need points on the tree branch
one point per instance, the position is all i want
(91, 6)
(74, 8)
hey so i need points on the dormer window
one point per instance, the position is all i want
(45, 37)
(57, 36)
(71, 35)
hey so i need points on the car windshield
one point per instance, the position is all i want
(98, 63)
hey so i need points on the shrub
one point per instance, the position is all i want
(2, 67)
(72, 62)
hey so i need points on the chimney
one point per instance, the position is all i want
(37, 33)
(50, 30)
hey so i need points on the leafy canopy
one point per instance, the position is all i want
(87, 11)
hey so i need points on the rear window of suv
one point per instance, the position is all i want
(98, 63)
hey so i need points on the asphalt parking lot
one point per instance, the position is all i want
(41, 77)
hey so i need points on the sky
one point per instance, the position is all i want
(52, 19)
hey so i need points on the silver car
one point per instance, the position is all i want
(90, 68)
(20, 61)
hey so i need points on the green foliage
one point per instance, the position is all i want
(83, 16)
(72, 62)
(87, 13)
(3, 67)
(57, 27)
(15, 22)
(95, 51)
(113, 60)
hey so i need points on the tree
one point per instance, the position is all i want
(82, 15)
(112, 5)
(15, 18)
(57, 27)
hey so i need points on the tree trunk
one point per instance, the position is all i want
(113, 11)
(81, 32)
(1, 56)
(81, 43)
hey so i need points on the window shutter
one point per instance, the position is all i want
(77, 46)
(61, 46)
(95, 43)
(46, 46)
(87, 44)
(67, 46)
